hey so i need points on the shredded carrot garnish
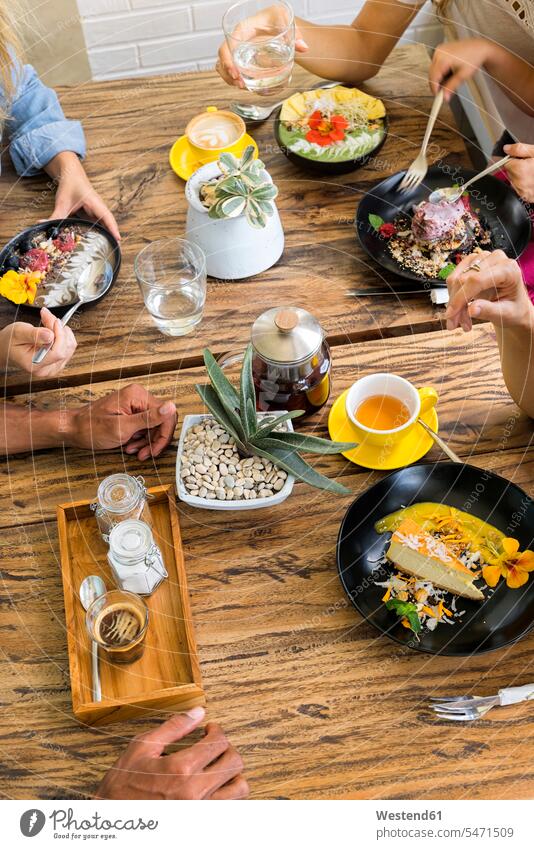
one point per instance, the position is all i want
(428, 611)
(448, 612)
(387, 594)
(440, 610)
(405, 622)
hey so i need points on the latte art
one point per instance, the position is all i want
(215, 130)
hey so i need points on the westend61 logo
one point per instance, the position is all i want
(66, 825)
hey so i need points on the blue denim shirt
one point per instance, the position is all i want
(37, 127)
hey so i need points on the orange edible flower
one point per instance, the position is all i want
(324, 131)
(513, 565)
(20, 287)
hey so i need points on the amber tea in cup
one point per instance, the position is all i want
(382, 412)
(118, 621)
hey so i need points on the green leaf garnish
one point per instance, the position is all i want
(375, 221)
(407, 609)
(446, 270)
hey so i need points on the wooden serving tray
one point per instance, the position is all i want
(168, 673)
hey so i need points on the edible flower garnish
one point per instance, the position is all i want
(512, 564)
(20, 287)
(326, 130)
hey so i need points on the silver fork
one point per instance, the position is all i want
(417, 170)
(467, 708)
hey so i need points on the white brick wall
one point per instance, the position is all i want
(128, 38)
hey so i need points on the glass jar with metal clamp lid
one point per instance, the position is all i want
(120, 497)
(135, 560)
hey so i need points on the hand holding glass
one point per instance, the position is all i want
(261, 39)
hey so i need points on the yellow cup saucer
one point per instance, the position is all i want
(183, 160)
(410, 449)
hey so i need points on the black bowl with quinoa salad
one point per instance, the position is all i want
(423, 242)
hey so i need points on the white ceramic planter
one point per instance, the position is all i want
(214, 503)
(232, 247)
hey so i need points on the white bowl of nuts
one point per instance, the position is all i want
(210, 473)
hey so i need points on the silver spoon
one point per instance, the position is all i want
(439, 441)
(88, 288)
(90, 588)
(252, 112)
(454, 193)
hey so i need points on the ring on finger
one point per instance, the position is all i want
(475, 266)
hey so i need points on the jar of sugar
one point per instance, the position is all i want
(135, 560)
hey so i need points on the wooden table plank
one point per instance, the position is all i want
(317, 702)
(476, 415)
(131, 125)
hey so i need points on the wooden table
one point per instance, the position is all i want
(318, 703)
(131, 125)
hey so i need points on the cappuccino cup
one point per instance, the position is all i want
(213, 132)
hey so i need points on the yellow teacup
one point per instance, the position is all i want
(410, 400)
(213, 132)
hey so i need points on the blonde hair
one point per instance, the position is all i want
(9, 51)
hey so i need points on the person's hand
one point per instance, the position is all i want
(20, 341)
(130, 417)
(454, 62)
(262, 23)
(75, 192)
(493, 290)
(520, 170)
(209, 769)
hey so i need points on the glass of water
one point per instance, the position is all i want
(172, 277)
(261, 38)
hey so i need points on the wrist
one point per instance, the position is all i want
(64, 166)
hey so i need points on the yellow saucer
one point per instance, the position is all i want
(183, 160)
(415, 444)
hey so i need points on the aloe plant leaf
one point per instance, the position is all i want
(290, 461)
(232, 207)
(246, 385)
(269, 426)
(230, 422)
(219, 381)
(313, 444)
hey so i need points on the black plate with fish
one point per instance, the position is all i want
(93, 243)
(493, 201)
(503, 618)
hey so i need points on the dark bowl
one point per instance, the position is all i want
(500, 208)
(503, 618)
(326, 168)
(113, 255)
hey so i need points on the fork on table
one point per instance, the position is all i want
(417, 171)
(465, 708)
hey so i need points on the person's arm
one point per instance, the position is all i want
(497, 293)
(42, 139)
(351, 53)
(131, 418)
(356, 52)
(458, 61)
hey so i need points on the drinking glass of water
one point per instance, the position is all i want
(172, 277)
(261, 38)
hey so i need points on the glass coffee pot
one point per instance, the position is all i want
(291, 363)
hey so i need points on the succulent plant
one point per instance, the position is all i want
(242, 188)
(236, 412)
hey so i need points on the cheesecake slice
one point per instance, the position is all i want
(420, 554)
